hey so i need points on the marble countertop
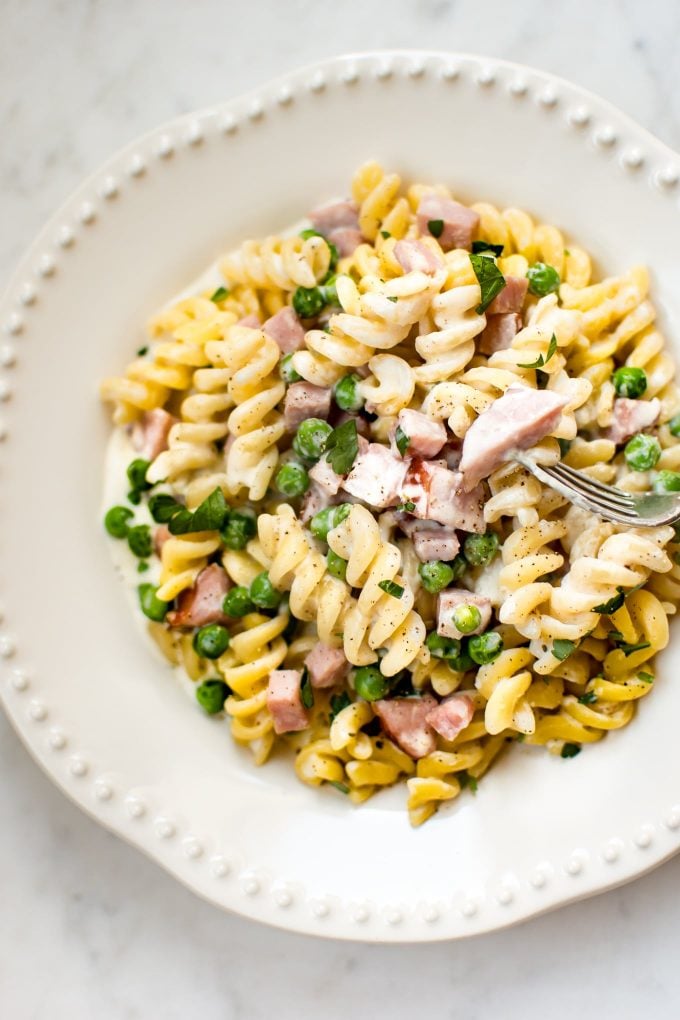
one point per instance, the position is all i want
(91, 928)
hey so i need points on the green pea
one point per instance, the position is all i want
(292, 479)
(150, 604)
(135, 496)
(329, 290)
(287, 369)
(116, 521)
(674, 425)
(466, 618)
(667, 481)
(327, 519)
(212, 641)
(211, 695)
(139, 540)
(347, 395)
(136, 473)
(481, 549)
(163, 507)
(337, 567)
(310, 438)
(484, 648)
(435, 575)
(461, 663)
(543, 279)
(239, 529)
(370, 684)
(308, 302)
(458, 566)
(629, 381)
(642, 452)
(237, 602)
(442, 647)
(263, 593)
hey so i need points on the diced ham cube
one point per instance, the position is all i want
(305, 400)
(499, 332)
(202, 603)
(285, 702)
(438, 495)
(425, 435)
(339, 224)
(160, 536)
(150, 433)
(335, 215)
(631, 416)
(440, 544)
(325, 477)
(286, 329)
(251, 321)
(405, 720)
(460, 224)
(515, 421)
(452, 716)
(346, 240)
(414, 256)
(511, 298)
(449, 600)
(327, 666)
(377, 477)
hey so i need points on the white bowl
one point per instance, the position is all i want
(96, 709)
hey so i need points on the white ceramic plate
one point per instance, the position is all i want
(100, 713)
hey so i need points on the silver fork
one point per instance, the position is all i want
(649, 510)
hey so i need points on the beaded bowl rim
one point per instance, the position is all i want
(514, 899)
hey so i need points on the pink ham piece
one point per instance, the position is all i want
(425, 435)
(160, 536)
(460, 223)
(515, 421)
(499, 332)
(405, 720)
(416, 257)
(631, 416)
(202, 603)
(325, 477)
(150, 433)
(339, 224)
(452, 716)
(438, 495)
(305, 400)
(284, 701)
(377, 476)
(327, 666)
(251, 321)
(314, 500)
(449, 600)
(431, 541)
(511, 298)
(286, 329)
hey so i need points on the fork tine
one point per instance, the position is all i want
(596, 502)
(594, 487)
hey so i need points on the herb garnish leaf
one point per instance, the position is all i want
(436, 227)
(390, 588)
(541, 361)
(491, 280)
(342, 447)
(646, 678)
(210, 515)
(588, 698)
(402, 440)
(219, 295)
(339, 786)
(407, 507)
(481, 246)
(562, 648)
(612, 605)
(338, 702)
(570, 750)
(306, 691)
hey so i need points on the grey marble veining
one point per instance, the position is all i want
(89, 927)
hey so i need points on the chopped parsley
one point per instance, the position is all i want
(562, 649)
(588, 698)
(339, 786)
(390, 588)
(385, 234)
(142, 351)
(629, 649)
(407, 507)
(491, 280)
(338, 702)
(393, 299)
(646, 678)
(540, 360)
(481, 246)
(342, 447)
(306, 692)
(436, 227)
(219, 295)
(402, 440)
(570, 750)
(466, 780)
(614, 604)
(209, 516)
